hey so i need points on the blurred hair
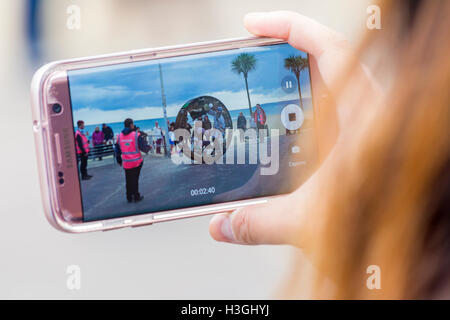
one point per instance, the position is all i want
(128, 122)
(386, 201)
(80, 123)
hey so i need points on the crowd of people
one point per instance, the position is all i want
(128, 147)
(201, 124)
(257, 121)
(131, 142)
(82, 144)
(94, 145)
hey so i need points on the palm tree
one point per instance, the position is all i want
(244, 63)
(296, 64)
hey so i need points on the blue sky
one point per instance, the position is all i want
(113, 93)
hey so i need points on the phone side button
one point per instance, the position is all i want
(58, 149)
(115, 224)
(142, 224)
(113, 228)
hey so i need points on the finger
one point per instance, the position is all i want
(331, 56)
(275, 222)
(301, 32)
(219, 229)
(329, 48)
(327, 54)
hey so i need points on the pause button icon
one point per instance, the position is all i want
(288, 84)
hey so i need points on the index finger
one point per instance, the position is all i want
(301, 32)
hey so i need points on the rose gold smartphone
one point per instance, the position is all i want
(135, 138)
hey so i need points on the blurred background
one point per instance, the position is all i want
(175, 260)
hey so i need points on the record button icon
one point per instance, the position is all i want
(292, 117)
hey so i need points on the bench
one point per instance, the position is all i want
(102, 151)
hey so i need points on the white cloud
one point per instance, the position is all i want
(95, 116)
(93, 93)
(89, 93)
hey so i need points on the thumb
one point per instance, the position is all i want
(275, 222)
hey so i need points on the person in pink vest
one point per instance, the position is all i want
(128, 153)
(82, 146)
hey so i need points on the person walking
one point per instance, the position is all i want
(128, 154)
(82, 146)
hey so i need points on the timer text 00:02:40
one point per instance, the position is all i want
(202, 191)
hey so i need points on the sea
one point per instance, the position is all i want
(148, 124)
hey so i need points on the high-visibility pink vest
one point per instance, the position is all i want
(84, 140)
(131, 156)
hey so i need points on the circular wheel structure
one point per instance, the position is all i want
(202, 109)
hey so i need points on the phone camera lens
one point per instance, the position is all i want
(60, 174)
(61, 181)
(57, 108)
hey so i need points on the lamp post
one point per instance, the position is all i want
(164, 104)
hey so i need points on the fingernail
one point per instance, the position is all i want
(226, 229)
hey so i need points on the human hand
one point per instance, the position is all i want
(284, 220)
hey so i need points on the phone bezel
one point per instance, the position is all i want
(43, 125)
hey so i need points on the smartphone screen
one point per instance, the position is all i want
(193, 130)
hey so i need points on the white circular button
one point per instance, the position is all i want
(292, 117)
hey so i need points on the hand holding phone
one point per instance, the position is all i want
(285, 220)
